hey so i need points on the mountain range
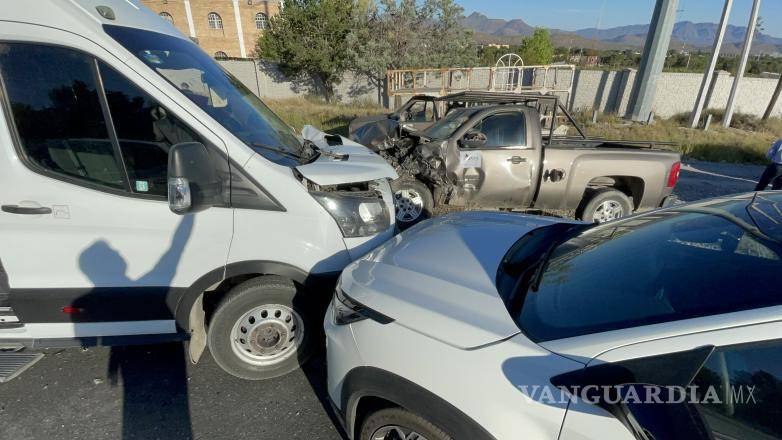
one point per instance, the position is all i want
(685, 33)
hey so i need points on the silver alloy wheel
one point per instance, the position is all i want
(267, 335)
(393, 432)
(409, 204)
(608, 210)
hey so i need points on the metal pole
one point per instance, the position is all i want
(709, 75)
(753, 20)
(653, 60)
(774, 99)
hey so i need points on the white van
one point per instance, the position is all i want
(147, 195)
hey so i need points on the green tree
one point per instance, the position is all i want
(538, 48)
(396, 34)
(309, 38)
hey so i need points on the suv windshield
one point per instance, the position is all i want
(698, 260)
(444, 128)
(215, 91)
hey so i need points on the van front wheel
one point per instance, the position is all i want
(259, 331)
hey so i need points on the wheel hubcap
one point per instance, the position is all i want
(393, 432)
(409, 204)
(267, 335)
(608, 210)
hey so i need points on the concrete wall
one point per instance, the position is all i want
(266, 81)
(607, 91)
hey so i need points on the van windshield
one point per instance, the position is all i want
(215, 91)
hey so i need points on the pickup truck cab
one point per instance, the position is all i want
(510, 155)
(149, 196)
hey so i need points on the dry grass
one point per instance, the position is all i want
(329, 117)
(746, 142)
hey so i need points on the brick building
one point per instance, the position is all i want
(223, 28)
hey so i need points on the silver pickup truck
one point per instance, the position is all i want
(511, 155)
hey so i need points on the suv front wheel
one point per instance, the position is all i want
(259, 330)
(397, 423)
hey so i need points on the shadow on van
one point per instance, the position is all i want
(153, 379)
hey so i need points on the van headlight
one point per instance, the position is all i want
(358, 214)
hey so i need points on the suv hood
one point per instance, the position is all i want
(438, 278)
(360, 165)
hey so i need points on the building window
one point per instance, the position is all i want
(215, 21)
(166, 16)
(220, 55)
(261, 21)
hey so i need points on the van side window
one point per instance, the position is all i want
(504, 130)
(54, 103)
(146, 132)
(740, 390)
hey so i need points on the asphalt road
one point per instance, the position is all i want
(152, 392)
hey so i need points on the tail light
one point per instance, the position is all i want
(673, 175)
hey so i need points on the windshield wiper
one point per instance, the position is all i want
(278, 151)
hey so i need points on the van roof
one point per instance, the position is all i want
(83, 17)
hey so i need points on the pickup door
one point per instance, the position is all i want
(499, 159)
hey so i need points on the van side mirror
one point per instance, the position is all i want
(193, 184)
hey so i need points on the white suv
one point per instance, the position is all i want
(147, 195)
(490, 325)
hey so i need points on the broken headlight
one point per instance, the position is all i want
(358, 214)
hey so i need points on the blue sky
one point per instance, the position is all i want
(579, 14)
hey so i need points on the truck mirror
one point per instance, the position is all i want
(193, 184)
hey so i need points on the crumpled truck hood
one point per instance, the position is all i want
(438, 277)
(362, 165)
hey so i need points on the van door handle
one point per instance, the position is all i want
(26, 210)
(515, 160)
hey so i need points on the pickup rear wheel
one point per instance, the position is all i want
(413, 202)
(603, 205)
(260, 330)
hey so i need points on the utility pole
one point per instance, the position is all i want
(709, 74)
(653, 60)
(753, 19)
(774, 99)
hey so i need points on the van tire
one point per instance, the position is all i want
(270, 312)
(402, 419)
(604, 204)
(413, 202)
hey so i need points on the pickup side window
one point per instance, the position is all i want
(740, 391)
(145, 130)
(53, 97)
(504, 130)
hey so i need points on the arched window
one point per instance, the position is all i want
(215, 21)
(166, 16)
(220, 55)
(261, 21)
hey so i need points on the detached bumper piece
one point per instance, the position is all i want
(14, 363)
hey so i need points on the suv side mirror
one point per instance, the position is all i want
(193, 184)
(474, 139)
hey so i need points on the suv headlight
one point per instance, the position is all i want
(358, 214)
